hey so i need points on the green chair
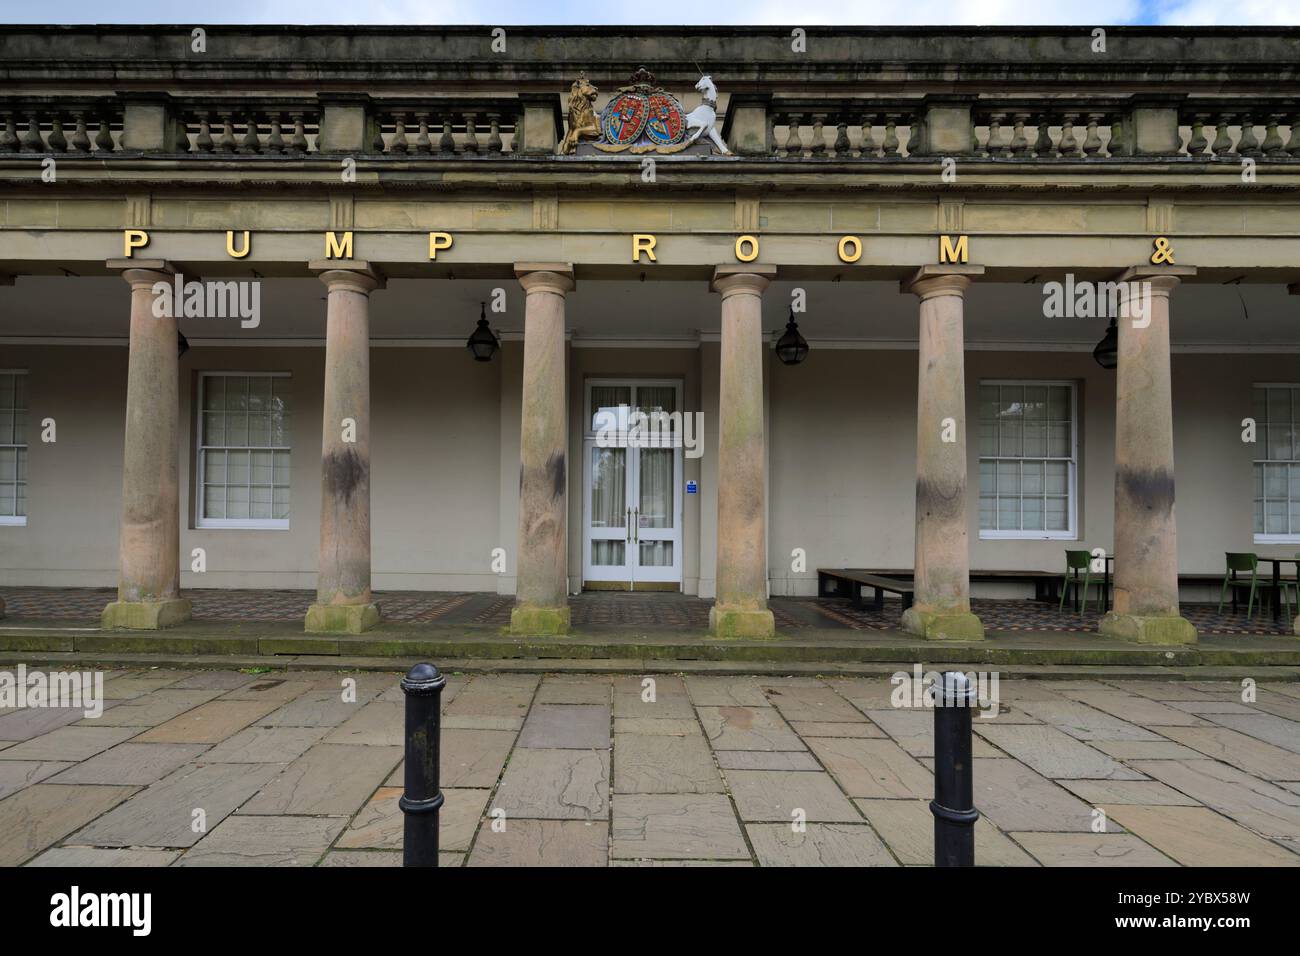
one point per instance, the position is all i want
(1239, 562)
(1076, 561)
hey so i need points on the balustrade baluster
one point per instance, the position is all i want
(1272, 145)
(226, 144)
(995, 147)
(471, 140)
(251, 144)
(494, 144)
(1247, 144)
(275, 141)
(1222, 141)
(1068, 146)
(104, 138)
(868, 148)
(818, 147)
(446, 142)
(842, 148)
(793, 141)
(1092, 138)
(298, 142)
(890, 145)
(1019, 142)
(399, 145)
(9, 137)
(1197, 144)
(31, 141)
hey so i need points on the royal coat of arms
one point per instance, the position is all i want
(645, 118)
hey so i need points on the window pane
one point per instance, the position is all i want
(214, 428)
(1058, 443)
(236, 393)
(261, 463)
(656, 554)
(6, 427)
(609, 407)
(987, 486)
(1009, 514)
(214, 467)
(1057, 478)
(1036, 402)
(259, 499)
(1010, 443)
(8, 465)
(988, 439)
(1035, 440)
(988, 507)
(280, 506)
(1031, 478)
(1275, 517)
(237, 501)
(1058, 516)
(237, 430)
(237, 468)
(259, 430)
(1032, 514)
(1275, 481)
(214, 501)
(214, 392)
(1008, 478)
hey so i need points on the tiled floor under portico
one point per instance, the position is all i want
(600, 609)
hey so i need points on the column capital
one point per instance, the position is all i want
(932, 280)
(351, 275)
(142, 272)
(554, 277)
(1162, 279)
(740, 279)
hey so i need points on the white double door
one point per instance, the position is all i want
(632, 507)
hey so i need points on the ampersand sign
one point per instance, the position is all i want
(1162, 252)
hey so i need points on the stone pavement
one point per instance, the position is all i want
(193, 768)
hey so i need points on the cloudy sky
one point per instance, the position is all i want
(659, 12)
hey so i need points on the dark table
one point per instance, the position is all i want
(1276, 585)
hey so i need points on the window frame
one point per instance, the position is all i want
(218, 524)
(1071, 533)
(1265, 537)
(18, 521)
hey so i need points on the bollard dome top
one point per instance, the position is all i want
(423, 678)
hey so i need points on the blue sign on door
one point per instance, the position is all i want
(692, 487)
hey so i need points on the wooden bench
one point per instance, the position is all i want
(1047, 584)
(849, 582)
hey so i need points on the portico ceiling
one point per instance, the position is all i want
(1206, 316)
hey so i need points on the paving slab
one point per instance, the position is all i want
(700, 826)
(265, 841)
(562, 689)
(69, 743)
(1178, 690)
(1145, 750)
(1083, 722)
(469, 758)
(454, 722)
(223, 681)
(265, 745)
(209, 723)
(316, 708)
(668, 701)
(18, 774)
(1137, 709)
(835, 729)
(327, 779)
(864, 693)
(767, 760)
(369, 858)
(811, 703)
(1244, 752)
(1091, 849)
(1055, 754)
(29, 722)
(668, 727)
(566, 727)
(818, 844)
(1150, 793)
(707, 691)
(1266, 727)
(555, 785)
(1211, 707)
(152, 709)
(43, 814)
(748, 728)
(873, 768)
(1256, 804)
(1197, 836)
(380, 823)
(81, 857)
(379, 723)
(138, 683)
(651, 763)
(163, 815)
(275, 690)
(907, 828)
(131, 764)
(914, 732)
(495, 695)
(775, 795)
(1014, 797)
(542, 843)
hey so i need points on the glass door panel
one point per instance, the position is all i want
(609, 530)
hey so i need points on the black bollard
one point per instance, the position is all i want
(953, 805)
(423, 689)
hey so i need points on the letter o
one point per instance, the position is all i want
(753, 248)
(856, 243)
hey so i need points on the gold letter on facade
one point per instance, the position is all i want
(438, 240)
(953, 253)
(643, 242)
(752, 242)
(133, 239)
(338, 250)
(850, 242)
(230, 245)
(1162, 251)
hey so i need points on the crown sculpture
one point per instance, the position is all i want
(641, 118)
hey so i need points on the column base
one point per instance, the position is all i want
(341, 618)
(943, 625)
(532, 620)
(1148, 629)
(145, 615)
(734, 622)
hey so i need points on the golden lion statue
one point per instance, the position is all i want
(582, 118)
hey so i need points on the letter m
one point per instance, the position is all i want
(950, 252)
(334, 249)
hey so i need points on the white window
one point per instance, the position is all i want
(243, 450)
(1277, 464)
(1028, 459)
(13, 447)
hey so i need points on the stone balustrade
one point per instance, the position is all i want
(55, 125)
(461, 127)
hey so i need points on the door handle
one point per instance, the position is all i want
(636, 525)
(627, 532)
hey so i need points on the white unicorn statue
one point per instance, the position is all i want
(703, 118)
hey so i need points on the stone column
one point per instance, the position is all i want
(740, 609)
(148, 591)
(541, 593)
(1146, 540)
(343, 599)
(941, 603)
